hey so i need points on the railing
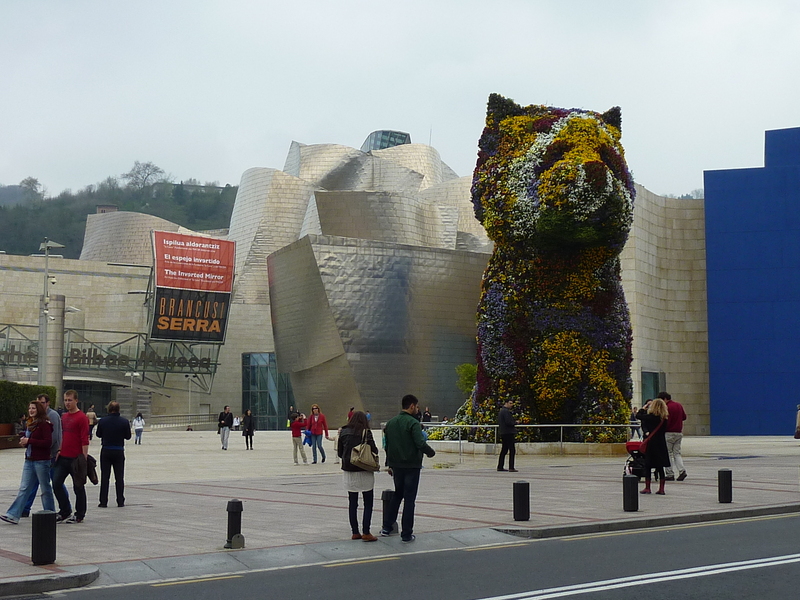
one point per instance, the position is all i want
(632, 425)
(173, 421)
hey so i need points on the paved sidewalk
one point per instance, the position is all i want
(174, 523)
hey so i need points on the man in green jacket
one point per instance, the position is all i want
(405, 445)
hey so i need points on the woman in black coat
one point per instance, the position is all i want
(248, 428)
(653, 416)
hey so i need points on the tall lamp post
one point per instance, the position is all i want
(45, 359)
(132, 374)
(134, 405)
(189, 379)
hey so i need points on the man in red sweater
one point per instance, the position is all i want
(674, 436)
(72, 460)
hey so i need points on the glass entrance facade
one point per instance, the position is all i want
(267, 393)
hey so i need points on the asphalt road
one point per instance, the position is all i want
(748, 559)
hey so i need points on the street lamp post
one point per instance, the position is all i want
(134, 405)
(132, 374)
(189, 379)
(45, 318)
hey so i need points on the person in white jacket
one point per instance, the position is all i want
(138, 428)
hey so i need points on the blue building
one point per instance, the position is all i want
(753, 270)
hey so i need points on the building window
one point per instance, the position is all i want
(382, 139)
(267, 393)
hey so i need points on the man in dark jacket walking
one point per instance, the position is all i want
(225, 425)
(113, 430)
(507, 428)
(405, 446)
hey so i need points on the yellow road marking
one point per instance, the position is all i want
(684, 526)
(495, 547)
(361, 562)
(196, 580)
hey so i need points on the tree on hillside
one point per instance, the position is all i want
(31, 188)
(143, 174)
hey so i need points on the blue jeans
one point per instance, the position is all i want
(34, 491)
(316, 442)
(38, 472)
(406, 484)
(138, 439)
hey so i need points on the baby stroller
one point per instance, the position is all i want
(636, 464)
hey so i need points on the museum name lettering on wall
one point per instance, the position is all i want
(95, 358)
(119, 362)
(13, 357)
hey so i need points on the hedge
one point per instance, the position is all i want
(15, 397)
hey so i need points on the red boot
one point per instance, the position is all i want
(661, 483)
(646, 489)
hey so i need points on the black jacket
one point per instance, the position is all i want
(113, 430)
(248, 425)
(226, 420)
(505, 422)
(656, 451)
(349, 439)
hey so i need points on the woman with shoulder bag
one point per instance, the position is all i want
(653, 417)
(357, 479)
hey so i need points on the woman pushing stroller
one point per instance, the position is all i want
(653, 417)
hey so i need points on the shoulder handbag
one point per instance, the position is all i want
(363, 457)
(643, 445)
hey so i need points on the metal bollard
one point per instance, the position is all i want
(43, 537)
(235, 537)
(630, 493)
(522, 501)
(386, 499)
(725, 485)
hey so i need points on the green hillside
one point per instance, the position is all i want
(63, 217)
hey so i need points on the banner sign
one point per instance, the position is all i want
(191, 262)
(194, 280)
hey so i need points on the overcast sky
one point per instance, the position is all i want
(208, 88)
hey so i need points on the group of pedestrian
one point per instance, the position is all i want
(404, 445)
(57, 447)
(662, 421)
(227, 422)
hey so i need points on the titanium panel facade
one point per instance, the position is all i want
(383, 320)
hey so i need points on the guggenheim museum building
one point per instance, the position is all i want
(356, 280)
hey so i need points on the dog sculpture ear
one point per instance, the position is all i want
(613, 116)
(498, 108)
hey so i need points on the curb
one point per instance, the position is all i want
(624, 525)
(82, 575)
(71, 577)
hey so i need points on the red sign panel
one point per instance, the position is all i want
(190, 262)
(194, 280)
